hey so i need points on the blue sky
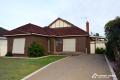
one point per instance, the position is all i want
(14, 13)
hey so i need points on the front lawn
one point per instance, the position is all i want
(16, 69)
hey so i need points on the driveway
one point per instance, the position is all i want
(75, 68)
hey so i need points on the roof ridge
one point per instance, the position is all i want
(25, 25)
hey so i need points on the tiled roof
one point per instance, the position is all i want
(64, 31)
(26, 29)
(2, 31)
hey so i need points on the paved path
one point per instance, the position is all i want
(75, 68)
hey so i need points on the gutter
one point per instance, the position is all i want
(3, 38)
(46, 35)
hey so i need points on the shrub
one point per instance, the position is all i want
(9, 54)
(117, 69)
(109, 52)
(35, 50)
(99, 51)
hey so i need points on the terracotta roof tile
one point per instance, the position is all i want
(65, 31)
(28, 28)
(31, 28)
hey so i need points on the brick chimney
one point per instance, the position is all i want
(87, 26)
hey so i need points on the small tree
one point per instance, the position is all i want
(35, 50)
(112, 32)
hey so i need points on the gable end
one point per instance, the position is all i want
(60, 23)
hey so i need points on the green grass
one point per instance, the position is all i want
(16, 69)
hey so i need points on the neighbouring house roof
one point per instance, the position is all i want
(2, 31)
(29, 29)
(97, 38)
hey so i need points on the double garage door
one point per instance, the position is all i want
(69, 45)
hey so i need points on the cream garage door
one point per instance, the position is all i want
(3, 47)
(18, 46)
(69, 45)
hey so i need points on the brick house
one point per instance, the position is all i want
(59, 37)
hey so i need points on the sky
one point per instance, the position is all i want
(15, 13)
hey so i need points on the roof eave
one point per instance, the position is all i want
(17, 35)
(45, 35)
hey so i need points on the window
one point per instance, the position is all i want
(58, 41)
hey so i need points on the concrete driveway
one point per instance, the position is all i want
(75, 68)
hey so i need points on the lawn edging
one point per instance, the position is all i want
(44, 56)
(28, 57)
(31, 57)
(111, 69)
(31, 74)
